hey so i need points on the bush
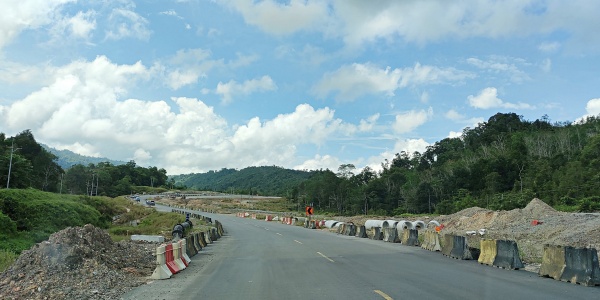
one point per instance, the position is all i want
(7, 258)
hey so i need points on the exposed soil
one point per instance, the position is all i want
(78, 263)
(554, 227)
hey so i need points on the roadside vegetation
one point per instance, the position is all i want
(30, 216)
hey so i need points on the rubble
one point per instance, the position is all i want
(78, 263)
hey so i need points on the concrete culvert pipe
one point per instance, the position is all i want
(433, 224)
(418, 225)
(369, 224)
(330, 223)
(388, 224)
(404, 225)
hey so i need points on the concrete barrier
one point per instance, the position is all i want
(377, 235)
(488, 252)
(350, 230)
(361, 232)
(507, 255)
(197, 244)
(390, 235)
(575, 265)
(410, 237)
(202, 239)
(161, 271)
(456, 247)
(148, 238)
(431, 241)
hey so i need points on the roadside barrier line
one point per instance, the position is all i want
(327, 258)
(298, 242)
(384, 295)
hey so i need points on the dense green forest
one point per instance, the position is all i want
(265, 180)
(32, 166)
(500, 164)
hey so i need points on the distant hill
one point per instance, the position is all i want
(67, 159)
(265, 180)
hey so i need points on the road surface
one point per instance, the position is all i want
(269, 260)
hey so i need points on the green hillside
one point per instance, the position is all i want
(265, 180)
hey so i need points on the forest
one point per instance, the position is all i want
(32, 166)
(501, 164)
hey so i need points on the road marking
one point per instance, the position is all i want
(299, 242)
(384, 295)
(329, 259)
(279, 233)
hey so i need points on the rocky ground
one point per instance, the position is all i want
(78, 263)
(557, 228)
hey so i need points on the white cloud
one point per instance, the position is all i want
(281, 18)
(125, 23)
(18, 15)
(356, 80)
(320, 162)
(187, 66)
(79, 26)
(231, 89)
(549, 46)
(403, 145)
(488, 98)
(454, 115)
(410, 120)
(368, 124)
(593, 107)
(546, 65)
(498, 65)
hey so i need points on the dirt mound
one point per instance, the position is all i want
(78, 263)
(539, 208)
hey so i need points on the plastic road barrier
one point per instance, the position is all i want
(177, 256)
(161, 271)
(390, 235)
(170, 259)
(376, 233)
(361, 232)
(410, 237)
(575, 265)
(431, 241)
(500, 253)
(456, 247)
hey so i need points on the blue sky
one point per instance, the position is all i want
(192, 86)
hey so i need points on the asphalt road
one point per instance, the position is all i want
(269, 260)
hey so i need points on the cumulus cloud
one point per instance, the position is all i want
(410, 120)
(187, 66)
(85, 109)
(592, 108)
(488, 98)
(125, 23)
(454, 115)
(356, 80)
(231, 89)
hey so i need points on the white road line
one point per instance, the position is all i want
(279, 233)
(299, 242)
(384, 295)
(329, 259)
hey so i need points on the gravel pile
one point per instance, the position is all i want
(556, 228)
(78, 263)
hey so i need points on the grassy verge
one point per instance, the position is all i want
(7, 257)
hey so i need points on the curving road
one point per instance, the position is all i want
(268, 260)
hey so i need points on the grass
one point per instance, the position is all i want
(7, 257)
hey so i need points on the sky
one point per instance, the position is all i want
(198, 85)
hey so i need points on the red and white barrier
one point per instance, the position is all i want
(170, 259)
(162, 270)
